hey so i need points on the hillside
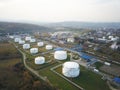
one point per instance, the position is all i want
(12, 27)
(92, 25)
(9, 27)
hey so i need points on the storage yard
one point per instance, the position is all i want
(63, 67)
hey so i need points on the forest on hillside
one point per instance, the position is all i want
(10, 27)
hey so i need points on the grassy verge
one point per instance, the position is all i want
(88, 80)
(56, 80)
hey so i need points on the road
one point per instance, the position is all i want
(30, 69)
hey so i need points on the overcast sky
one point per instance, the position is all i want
(60, 10)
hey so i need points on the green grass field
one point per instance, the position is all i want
(56, 80)
(88, 80)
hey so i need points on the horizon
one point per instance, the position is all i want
(37, 22)
(52, 11)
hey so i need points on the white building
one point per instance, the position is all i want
(114, 46)
(95, 70)
(71, 69)
(12, 37)
(110, 37)
(114, 39)
(70, 39)
(101, 39)
(104, 37)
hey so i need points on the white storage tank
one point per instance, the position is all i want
(21, 42)
(34, 50)
(32, 40)
(17, 39)
(71, 69)
(40, 44)
(49, 47)
(60, 55)
(39, 60)
(26, 46)
(28, 38)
